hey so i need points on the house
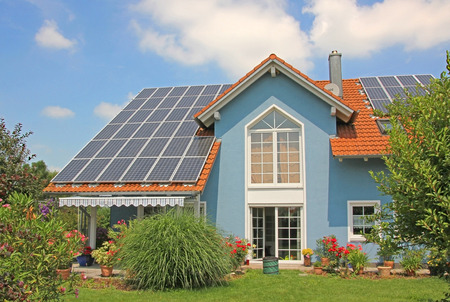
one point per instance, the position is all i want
(276, 157)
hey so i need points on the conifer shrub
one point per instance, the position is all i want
(173, 250)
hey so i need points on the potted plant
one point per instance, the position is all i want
(85, 259)
(71, 241)
(318, 270)
(325, 250)
(412, 260)
(307, 253)
(106, 257)
(357, 258)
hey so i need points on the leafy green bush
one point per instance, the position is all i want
(33, 243)
(173, 250)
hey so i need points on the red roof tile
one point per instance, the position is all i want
(272, 57)
(362, 137)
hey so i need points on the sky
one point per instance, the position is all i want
(67, 67)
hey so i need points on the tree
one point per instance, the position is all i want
(15, 172)
(419, 166)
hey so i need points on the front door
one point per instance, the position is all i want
(276, 231)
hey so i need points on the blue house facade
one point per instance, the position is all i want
(277, 157)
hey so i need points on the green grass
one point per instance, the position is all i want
(289, 285)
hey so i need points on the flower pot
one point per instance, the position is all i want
(318, 270)
(389, 263)
(64, 273)
(360, 271)
(384, 271)
(85, 260)
(325, 261)
(106, 270)
(307, 261)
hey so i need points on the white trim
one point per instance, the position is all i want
(344, 112)
(121, 201)
(300, 187)
(350, 204)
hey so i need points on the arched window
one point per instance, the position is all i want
(275, 150)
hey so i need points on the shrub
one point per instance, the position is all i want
(173, 250)
(33, 243)
(238, 250)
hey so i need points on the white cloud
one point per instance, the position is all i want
(49, 36)
(107, 110)
(235, 34)
(57, 112)
(362, 30)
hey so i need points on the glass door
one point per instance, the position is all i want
(276, 231)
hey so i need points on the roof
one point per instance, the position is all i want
(274, 65)
(357, 134)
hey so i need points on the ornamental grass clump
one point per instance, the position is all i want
(173, 250)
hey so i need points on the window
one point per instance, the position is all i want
(275, 151)
(276, 231)
(384, 125)
(357, 225)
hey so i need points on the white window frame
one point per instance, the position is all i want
(274, 132)
(361, 203)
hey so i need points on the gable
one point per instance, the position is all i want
(274, 66)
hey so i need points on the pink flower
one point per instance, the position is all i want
(6, 205)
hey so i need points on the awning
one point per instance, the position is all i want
(121, 201)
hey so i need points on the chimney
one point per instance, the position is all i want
(334, 60)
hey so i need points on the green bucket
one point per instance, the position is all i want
(270, 265)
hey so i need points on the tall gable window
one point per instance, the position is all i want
(275, 151)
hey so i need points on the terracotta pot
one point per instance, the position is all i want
(325, 261)
(389, 263)
(318, 270)
(64, 273)
(106, 270)
(384, 271)
(307, 261)
(361, 271)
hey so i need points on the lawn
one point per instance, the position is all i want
(289, 285)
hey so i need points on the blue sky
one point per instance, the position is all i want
(67, 67)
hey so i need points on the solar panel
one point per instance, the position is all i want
(167, 129)
(381, 91)
(115, 169)
(188, 128)
(139, 169)
(92, 170)
(132, 148)
(149, 140)
(91, 149)
(200, 146)
(140, 116)
(71, 170)
(177, 146)
(108, 131)
(135, 104)
(154, 147)
(163, 169)
(111, 148)
(122, 117)
(152, 103)
(189, 169)
(126, 131)
(145, 93)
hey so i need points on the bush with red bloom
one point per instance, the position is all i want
(238, 250)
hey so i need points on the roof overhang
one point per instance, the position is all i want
(273, 66)
(121, 201)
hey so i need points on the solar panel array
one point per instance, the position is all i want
(151, 140)
(382, 90)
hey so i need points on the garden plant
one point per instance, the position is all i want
(173, 250)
